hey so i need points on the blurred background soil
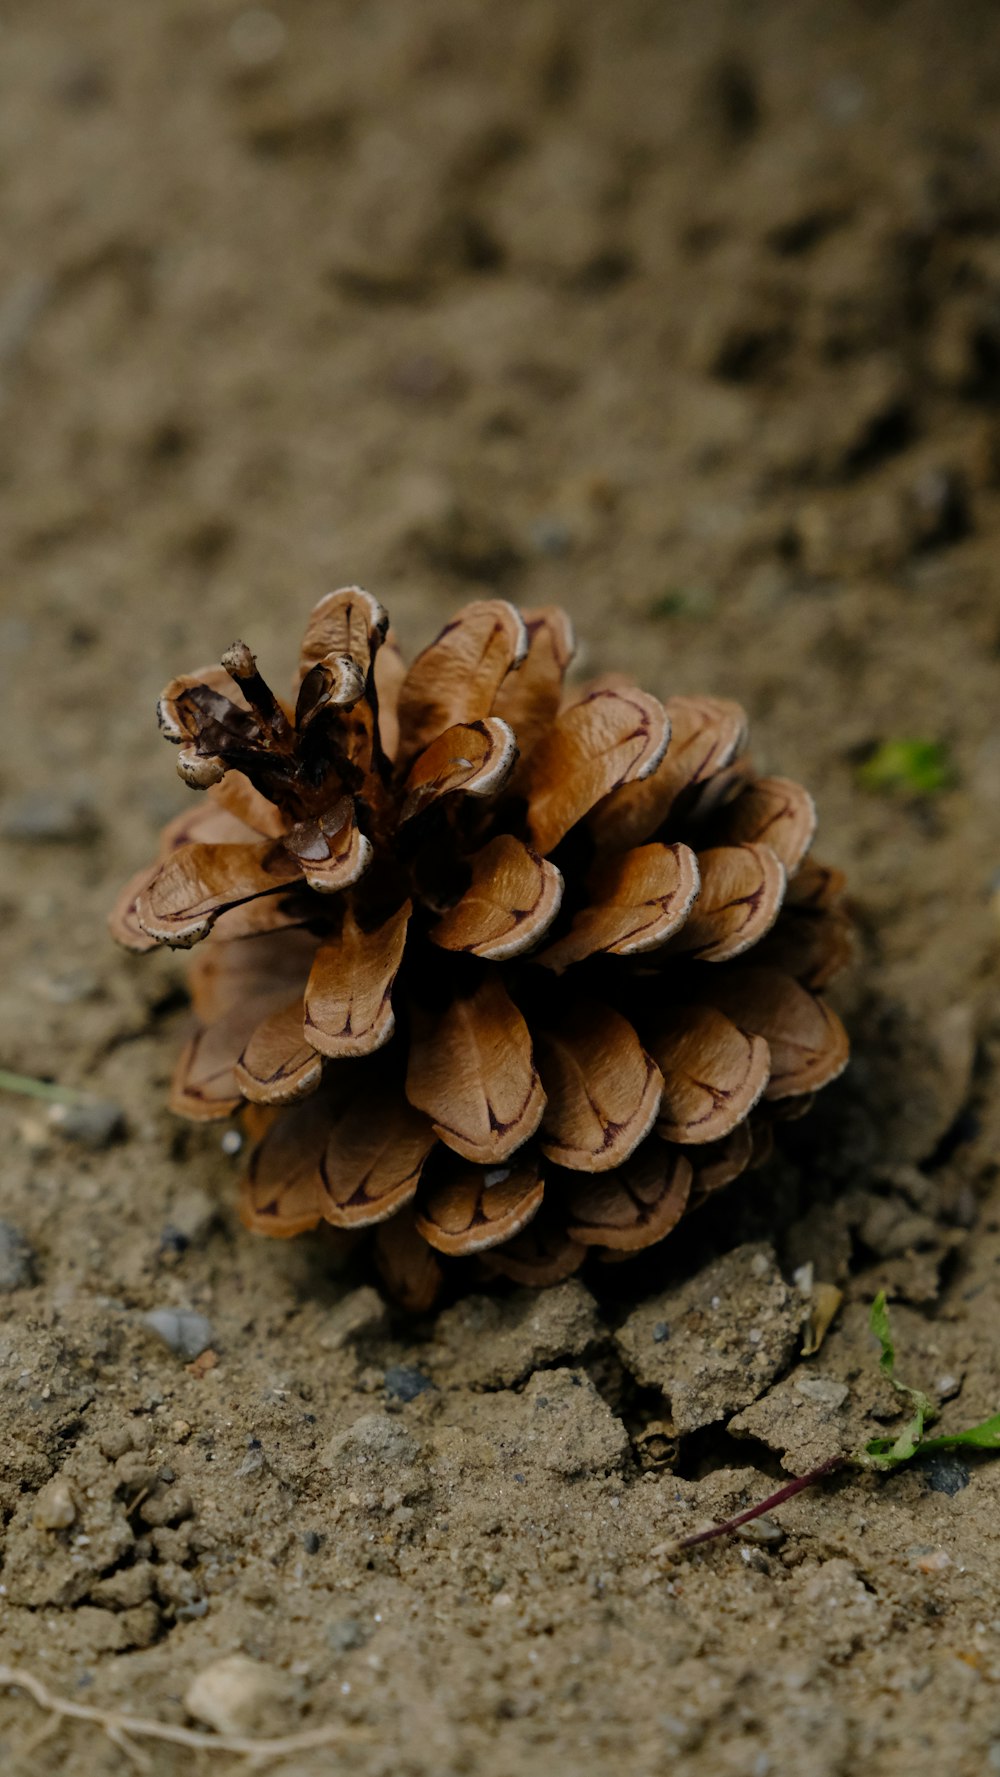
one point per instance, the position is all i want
(686, 317)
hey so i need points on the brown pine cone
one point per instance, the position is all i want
(496, 970)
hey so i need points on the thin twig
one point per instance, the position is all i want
(766, 1505)
(120, 1727)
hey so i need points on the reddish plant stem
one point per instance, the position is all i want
(774, 1499)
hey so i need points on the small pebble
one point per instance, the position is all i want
(346, 1634)
(404, 1383)
(17, 1260)
(930, 1560)
(551, 536)
(167, 1505)
(312, 1542)
(192, 1215)
(116, 1441)
(55, 1507)
(762, 1531)
(235, 1695)
(189, 1613)
(94, 1125)
(825, 1389)
(946, 1473)
(187, 1333)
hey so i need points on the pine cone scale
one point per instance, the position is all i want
(742, 888)
(626, 1215)
(277, 1065)
(509, 905)
(599, 743)
(348, 1007)
(808, 1045)
(714, 1074)
(636, 901)
(706, 734)
(200, 881)
(603, 1089)
(473, 757)
(454, 682)
(471, 1069)
(772, 811)
(472, 1210)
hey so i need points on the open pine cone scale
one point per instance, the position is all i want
(491, 968)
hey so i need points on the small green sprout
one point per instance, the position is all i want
(884, 1454)
(888, 1453)
(908, 767)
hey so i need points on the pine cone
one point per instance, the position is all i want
(494, 970)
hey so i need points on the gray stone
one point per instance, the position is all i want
(346, 1633)
(187, 1333)
(375, 1441)
(403, 1383)
(17, 1260)
(47, 818)
(95, 1125)
(945, 1472)
(825, 1389)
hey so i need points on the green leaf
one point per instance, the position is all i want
(888, 1453)
(878, 1321)
(910, 767)
(985, 1436)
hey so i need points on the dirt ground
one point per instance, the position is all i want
(687, 317)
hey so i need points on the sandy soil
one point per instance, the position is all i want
(687, 317)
